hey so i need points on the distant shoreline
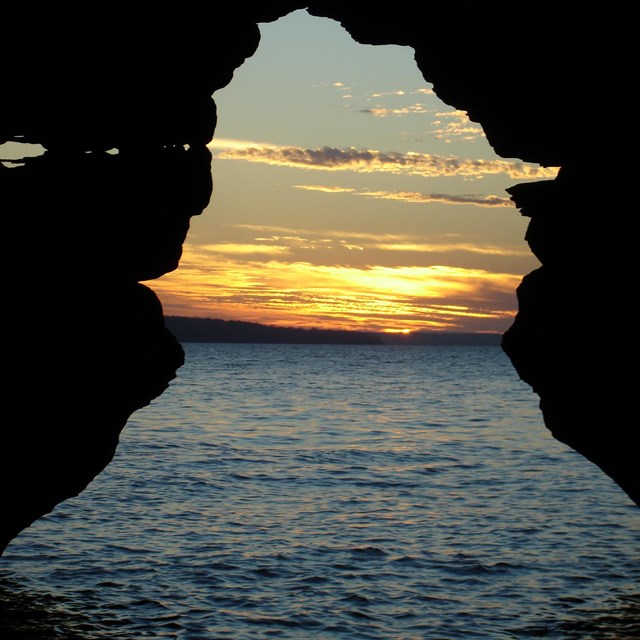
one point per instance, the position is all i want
(191, 329)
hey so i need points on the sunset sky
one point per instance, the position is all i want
(347, 195)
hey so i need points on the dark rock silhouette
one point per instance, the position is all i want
(87, 224)
(188, 329)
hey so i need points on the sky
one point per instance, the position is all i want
(346, 195)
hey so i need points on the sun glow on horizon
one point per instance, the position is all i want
(350, 199)
(375, 298)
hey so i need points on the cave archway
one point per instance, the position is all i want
(148, 95)
(348, 196)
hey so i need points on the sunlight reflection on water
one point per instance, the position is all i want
(271, 493)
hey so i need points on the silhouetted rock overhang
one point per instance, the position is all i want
(122, 102)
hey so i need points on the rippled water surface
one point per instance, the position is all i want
(334, 492)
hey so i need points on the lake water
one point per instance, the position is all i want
(334, 492)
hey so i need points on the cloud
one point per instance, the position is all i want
(353, 240)
(419, 197)
(380, 94)
(487, 250)
(323, 233)
(324, 188)
(305, 294)
(456, 127)
(446, 198)
(381, 112)
(371, 160)
(245, 249)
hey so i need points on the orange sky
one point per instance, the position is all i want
(346, 195)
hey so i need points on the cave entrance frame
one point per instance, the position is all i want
(357, 158)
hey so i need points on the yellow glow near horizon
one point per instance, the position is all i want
(386, 208)
(376, 298)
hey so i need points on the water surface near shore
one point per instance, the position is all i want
(334, 492)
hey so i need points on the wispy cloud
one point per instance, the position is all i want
(447, 198)
(422, 91)
(327, 240)
(419, 197)
(325, 188)
(371, 161)
(429, 247)
(291, 231)
(380, 94)
(455, 126)
(246, 249)
(305, 294)
(381, 112)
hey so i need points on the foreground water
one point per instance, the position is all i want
(334, 492)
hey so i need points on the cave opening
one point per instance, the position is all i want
(317, 504)
(347, 195)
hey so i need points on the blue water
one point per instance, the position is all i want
(334, 492)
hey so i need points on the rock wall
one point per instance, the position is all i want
(534, 77)
(121, 100)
